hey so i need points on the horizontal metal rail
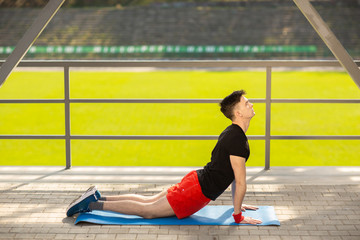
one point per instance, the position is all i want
(316, 137)
(175, 100)
(187, 64)
(181, 137)
(181, 63)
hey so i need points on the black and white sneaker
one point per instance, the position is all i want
(81, 204)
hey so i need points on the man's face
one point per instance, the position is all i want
(245, 108)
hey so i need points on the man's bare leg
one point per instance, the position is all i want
(156, 209)
(136, 197)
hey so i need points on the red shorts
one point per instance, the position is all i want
(186, 197)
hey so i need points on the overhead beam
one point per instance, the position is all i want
(329, 39)
(304, 5)
(46, 14)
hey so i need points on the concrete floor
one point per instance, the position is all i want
(310, 202)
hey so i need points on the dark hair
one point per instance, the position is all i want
(228, 103)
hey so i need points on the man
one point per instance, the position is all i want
(199, 187)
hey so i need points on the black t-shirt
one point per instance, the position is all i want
(218, 174)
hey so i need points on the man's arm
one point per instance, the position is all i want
(233, 189)
(239, 185)
(244, 207)
(238, 165)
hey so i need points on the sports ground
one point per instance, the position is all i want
(177, 119)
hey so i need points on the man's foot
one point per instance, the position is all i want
(81, 204)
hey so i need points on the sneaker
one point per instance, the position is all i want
(91, 190)
(81, 204)
(97, 193)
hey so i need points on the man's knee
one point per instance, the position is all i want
(148, 213)
(151, 210)
(145, 211)
(160, 208)
(154, 198)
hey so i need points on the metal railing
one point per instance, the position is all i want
(267, 65)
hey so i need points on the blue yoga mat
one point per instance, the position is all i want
(209, 215)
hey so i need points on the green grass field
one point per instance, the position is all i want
(176, 119)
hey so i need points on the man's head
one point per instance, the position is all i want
(237, 106)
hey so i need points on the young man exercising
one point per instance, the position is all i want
(199, 187)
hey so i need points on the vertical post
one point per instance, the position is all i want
(67, 116)
(268, 118)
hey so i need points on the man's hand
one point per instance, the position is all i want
(245, 207)
(249, 220)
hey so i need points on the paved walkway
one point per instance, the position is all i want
(310, 202)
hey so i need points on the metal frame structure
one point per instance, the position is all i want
(268, 100)
(54, 5)
(45, 16)
(304, 5)
(329, 39)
